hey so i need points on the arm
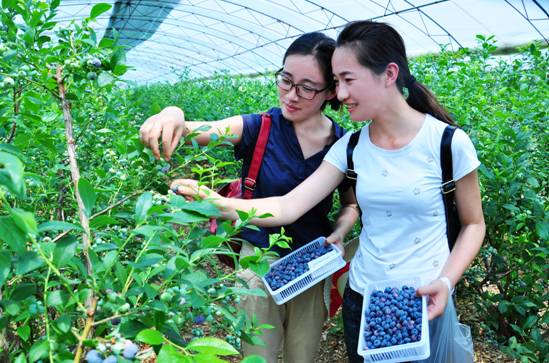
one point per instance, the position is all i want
(170, 126)
(348, 214)
(467, 245)
(285, 209)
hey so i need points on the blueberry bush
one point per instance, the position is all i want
(98, 260)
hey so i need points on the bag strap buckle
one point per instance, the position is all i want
(249, 184)
(448, 187)
(351, 174)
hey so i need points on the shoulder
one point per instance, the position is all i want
(252, 121)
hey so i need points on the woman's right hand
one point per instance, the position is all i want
(169, 125)
(190, 189)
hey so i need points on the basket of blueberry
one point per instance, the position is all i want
(301, 269)
(394, 325)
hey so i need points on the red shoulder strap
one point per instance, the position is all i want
(257, 158)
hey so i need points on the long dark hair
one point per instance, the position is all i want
(378, 44)
(321, 47)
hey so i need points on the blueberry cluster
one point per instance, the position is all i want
(127, 349)
(293, 266)
(393, 317)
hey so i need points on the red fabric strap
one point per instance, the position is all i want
(335, 298)
(257, 158)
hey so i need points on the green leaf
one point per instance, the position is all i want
(144, 203)
(503, 306)
(542, 230)
(28, 37)
(184, 218)
(206, 209)
(64, 251)
(530, 321)
(168, 354)
(28, 262)
(87, 194)
(10, 149)
(207, 358)
(212, 241)
(261, 268)
(57, 226)
(24, 220)
(102, 221)
(148, 231)
(39, 350)
(99, 9)
(64, 323)
(57, 297)
(21, 358)
(110, 259)
(104, 79)
(150, 336)
(211, 345)
(24, 332)
(146, 261)
(9, 4)
(11, 174)
(14, 237)
(5, 266)
(253, 359)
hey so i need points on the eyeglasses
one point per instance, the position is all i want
(301, 90)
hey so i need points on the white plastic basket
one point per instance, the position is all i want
(319, 269)
(396, 353)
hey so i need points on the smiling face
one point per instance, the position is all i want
(360, 90)
(304, 70)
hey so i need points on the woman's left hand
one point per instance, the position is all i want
(336, 239)
(437, 292)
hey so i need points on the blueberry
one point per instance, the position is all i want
(110, 359)
(95, 62)
(393, 317)
(93, 356)
(199, 319)
(130, 350)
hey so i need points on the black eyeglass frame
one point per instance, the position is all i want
(297, 86)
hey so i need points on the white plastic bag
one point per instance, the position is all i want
(450, 341)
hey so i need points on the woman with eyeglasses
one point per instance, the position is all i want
(399, 187)
(299, 138)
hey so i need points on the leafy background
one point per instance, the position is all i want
(66, 288)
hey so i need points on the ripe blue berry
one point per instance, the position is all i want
(130, 350)
(199, 319)
(110, 359)
(293, 267)
(93, 356)
(393, 317)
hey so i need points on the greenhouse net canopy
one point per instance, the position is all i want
(164, 38)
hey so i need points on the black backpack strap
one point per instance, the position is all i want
(448, 186)
(350, 174)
